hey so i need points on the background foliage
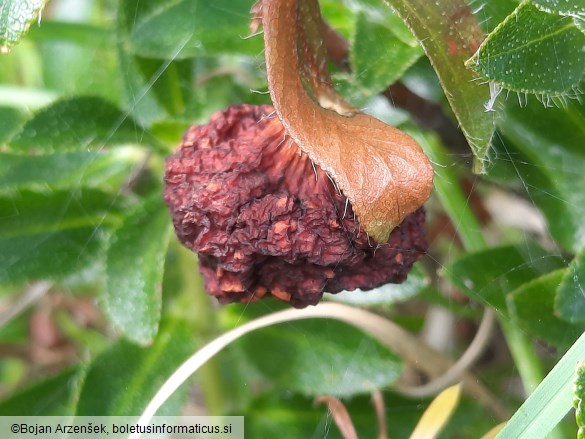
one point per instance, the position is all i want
(94, 98)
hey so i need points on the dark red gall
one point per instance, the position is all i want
(265, 221)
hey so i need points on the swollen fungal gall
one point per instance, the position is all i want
(265, 221)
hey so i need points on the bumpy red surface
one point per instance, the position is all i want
(266, 222)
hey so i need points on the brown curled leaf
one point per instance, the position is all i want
(383, 171)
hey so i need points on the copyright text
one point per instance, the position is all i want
(177, 427)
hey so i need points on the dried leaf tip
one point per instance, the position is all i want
(382, 170)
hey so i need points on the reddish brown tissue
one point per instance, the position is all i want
(265, 221)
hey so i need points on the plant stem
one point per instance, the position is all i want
(204, 317)
(469, 230)
(524, 356)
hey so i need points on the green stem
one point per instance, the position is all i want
(201, 313)
(525, 358)
(469, 230)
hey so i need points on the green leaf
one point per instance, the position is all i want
(51, 235)
(142, 104)
(580, 23)
(71, 69)
(170, 130)
(488, 276)
(78, 33)
(50, 255)
(173, 85)
(562, 7)
(16, 16)
(551, 140)
(107, 169)
(11, 119)
(188, 28)
(449, 35)
(534, 310)
(533, 52)
(135, 265)
(492, 13)
(321, 358)
(549, 403)
(570, 301)
(79, 124)
(122, 380)
(153, 87)
(27, 213)
(374, 11)
(50, 397)
(378, 56)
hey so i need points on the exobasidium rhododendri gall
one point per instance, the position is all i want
(266, 221)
